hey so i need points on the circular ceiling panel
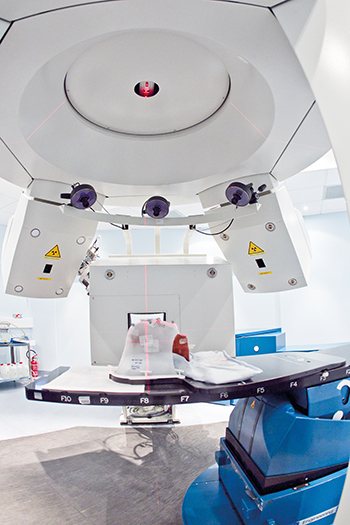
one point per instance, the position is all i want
(188, 130)
(147, 82)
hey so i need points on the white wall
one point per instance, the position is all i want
(314, 315)
(320, 313)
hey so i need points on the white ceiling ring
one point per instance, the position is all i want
(193, 83)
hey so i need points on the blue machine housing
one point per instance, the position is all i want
(324, 400)
(283, 461)
(270, 433)
(313, 502)
(262, 342)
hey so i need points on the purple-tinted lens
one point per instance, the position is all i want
(83, 196)
(156, 207)
(239, 194)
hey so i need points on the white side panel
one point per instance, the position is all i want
(311, 137)
(269, 251)
(324, 53)
(43, 250)
(293, 17)
(201, 306)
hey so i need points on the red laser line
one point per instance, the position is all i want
(146, 293)
(146, 350)
(218, 361)
(43, 122)
(298, 144)
(250, 122)
(146, 331)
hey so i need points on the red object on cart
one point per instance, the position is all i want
(34, 367)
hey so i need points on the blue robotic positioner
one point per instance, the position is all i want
(283, 461)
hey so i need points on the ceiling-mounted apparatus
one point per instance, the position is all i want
(156, 207)
(241, 194)
(82, 196)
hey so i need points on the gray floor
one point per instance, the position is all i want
(104, 476)
(75, 465)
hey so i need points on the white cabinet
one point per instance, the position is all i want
(14, 361)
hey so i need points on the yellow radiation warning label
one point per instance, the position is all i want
(254, 249)
(54, 253)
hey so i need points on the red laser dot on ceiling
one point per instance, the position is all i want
(146, 89)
